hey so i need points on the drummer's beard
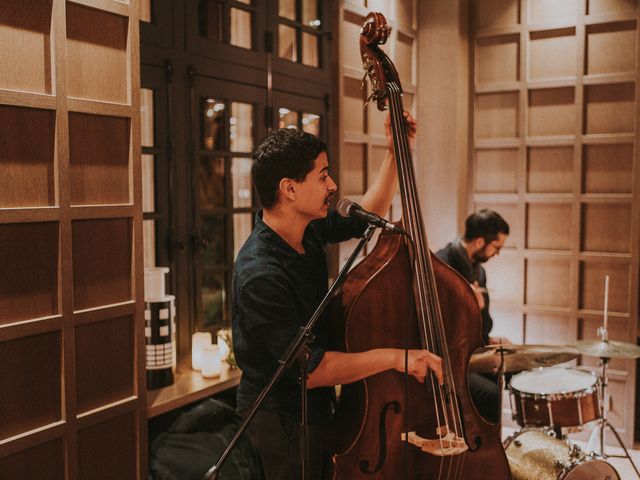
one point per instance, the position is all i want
(480, 256)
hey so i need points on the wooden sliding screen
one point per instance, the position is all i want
(555, 151)
(72, 400)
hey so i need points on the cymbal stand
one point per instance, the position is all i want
(502, 370)
(603, 423)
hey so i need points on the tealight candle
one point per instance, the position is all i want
(211, 362)
(198, 342)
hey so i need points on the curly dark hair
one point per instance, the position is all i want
(486, 224)
(283, 153)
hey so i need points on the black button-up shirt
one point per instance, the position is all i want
(456, 256)
(275, 292)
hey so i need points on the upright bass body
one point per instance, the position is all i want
(375, 309)
(401, 298)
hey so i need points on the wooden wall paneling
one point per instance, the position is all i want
(540, 327)
(99, 159)
(611, 48)
(551, 111)
(352, 101)
(27, 160)
(597, 7)
(550, 11)
(104, 368)
(25, 45)
(497, 115)
(42, 461)
(353, 169)
(552, 54)
(609, 108)
(592, 273)
(547, 281)
(29, 275)
(548, 226)
(58, 257)
(606, 227)
(509, 323)
(577, 174)
(495, 14)
(495, 170)
(102, 259)
(497, 59)
(119, 460)
(33, 392)
(66, 267)
(405, 58)
(505, 274)
(550, 169)
(607, 168)
(97, 46)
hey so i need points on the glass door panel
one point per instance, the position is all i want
(225, 117)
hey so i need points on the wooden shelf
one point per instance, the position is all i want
(189, 386)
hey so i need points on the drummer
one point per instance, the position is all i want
(484, 235)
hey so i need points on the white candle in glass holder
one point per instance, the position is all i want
(222, 343)
(211, 362)
(199, 341)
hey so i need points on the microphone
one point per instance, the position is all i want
(347, 208)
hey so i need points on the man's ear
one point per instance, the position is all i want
(287, 188)
(478, 244)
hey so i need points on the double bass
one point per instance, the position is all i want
(389, 426)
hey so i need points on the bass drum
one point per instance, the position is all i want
(535, 455)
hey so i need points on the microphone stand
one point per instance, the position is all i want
(299, 351)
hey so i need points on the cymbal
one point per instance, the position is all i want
(608, 349)
(519, 357)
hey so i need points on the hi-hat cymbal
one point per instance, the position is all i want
(608, 349)
(519, 357)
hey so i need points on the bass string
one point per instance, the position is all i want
(432, 325)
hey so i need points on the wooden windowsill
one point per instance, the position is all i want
(189, 386)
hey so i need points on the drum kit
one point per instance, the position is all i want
(547, 402)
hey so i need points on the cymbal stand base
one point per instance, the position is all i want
(599, 430)
(603, 423)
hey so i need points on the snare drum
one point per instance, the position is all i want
(535, 455)
(554, 397)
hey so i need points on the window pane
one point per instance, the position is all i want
(149, 241)
(212, 124)
(213, 236)
(213, 293)
(242, 225)
(287, 118)
(211, 183)
(287, 43)
(241, 175)
(310, 15)
(146, 116)
(241, 28)
(210, 21)
(311, 123)
(310, 50)
(148, 183)
(241, 127)
(145, 10)
(287, 9)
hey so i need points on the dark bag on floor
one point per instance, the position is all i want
(196, 440)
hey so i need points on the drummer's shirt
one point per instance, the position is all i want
(455, 255)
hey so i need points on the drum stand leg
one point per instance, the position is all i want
(603, 423)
